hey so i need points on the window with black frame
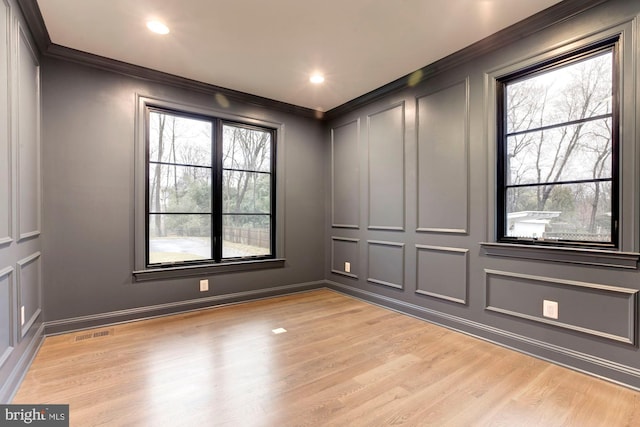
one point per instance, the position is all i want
(558, 173)
(210, 187)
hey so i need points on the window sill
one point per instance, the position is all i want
(208, 269)
(594, 257)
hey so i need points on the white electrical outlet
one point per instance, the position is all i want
(204, 285)
(550, 309)
(22, 315)
(347, 267)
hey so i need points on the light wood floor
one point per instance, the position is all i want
(341, 362)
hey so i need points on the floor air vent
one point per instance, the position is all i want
(90, 335)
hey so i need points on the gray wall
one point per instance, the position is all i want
(410, 197)
(88, 164)
(401, 189)
(21, 258)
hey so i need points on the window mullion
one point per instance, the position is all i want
(216, 193)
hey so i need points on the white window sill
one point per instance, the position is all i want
(206, 269)
(594, 257)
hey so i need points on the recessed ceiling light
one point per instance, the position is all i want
(316, 79)
(157, 27)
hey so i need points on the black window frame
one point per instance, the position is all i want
(610, 44)
(217, 169)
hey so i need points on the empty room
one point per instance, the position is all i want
(363, 212)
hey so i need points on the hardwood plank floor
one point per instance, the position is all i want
(342, 362)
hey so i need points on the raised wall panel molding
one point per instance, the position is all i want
(386, 168)
(443, 160)
(7, 314)
(345, 175)
(385, 263)
(28, 193)
(521, 295)
(442, 272)
(345, 249)
(6, 151)
(29, 284)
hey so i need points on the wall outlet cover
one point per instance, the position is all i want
(550, 309)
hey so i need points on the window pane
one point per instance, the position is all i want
(580, 212)
(246, 235)
(246, 149)
(246, 192)
(566, 153)
(179, 189)
(176, 139)
(579, 90)
(175, 238)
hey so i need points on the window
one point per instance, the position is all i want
(210, 190)
(558, 177)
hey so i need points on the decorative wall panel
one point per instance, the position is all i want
(591, 308)
(29, 291)
(7, 303)
(386, 169)
(28, 149)
(344, 256)
(345, 176)
(442, 272)
(386, 263)
(443, 160)
(6, 199)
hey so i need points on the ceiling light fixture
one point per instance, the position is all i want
(316, 79)
(157, 27)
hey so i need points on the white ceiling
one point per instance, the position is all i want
(270, 47)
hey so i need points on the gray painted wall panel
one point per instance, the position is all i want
(592, 308)
(442, 272)
(442, 160)
(6, 314)
(345, 206)
(28, 139)
(5, 128)
(386, 263)
(386, 168)
(20, 201)
(29, 291)
(345, 250)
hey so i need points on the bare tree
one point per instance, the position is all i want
(559, 128)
